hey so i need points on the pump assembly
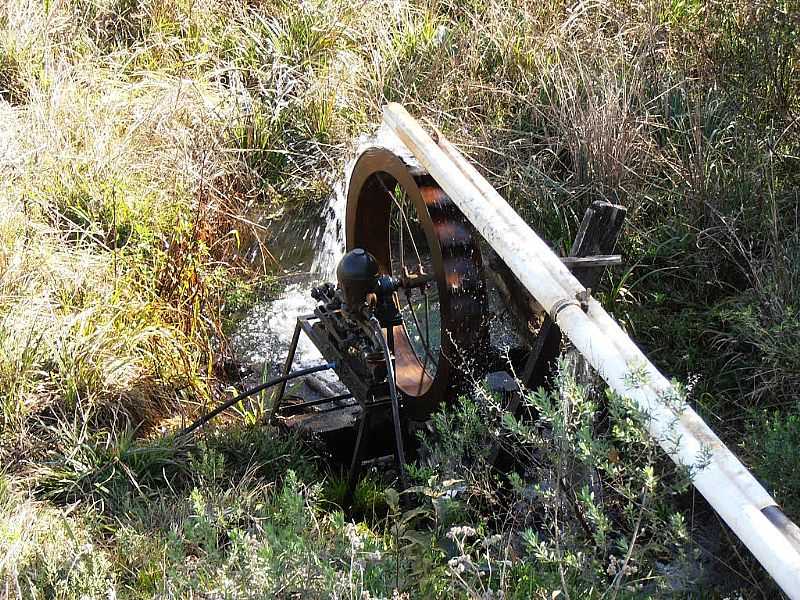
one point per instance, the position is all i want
(406, 327)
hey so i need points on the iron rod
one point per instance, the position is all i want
(319, 401)
(275, 381)
(278, 396)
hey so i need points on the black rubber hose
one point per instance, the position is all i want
(293, 375)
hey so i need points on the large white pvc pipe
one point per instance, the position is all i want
(727, 485)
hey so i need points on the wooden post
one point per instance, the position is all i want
(597, 234)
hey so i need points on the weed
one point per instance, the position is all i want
(774, 444)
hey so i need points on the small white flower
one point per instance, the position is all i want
(612, 565)
(465, 531)
(459, 564)
(356, 543)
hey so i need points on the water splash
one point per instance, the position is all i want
(263, 336)
(332, 243)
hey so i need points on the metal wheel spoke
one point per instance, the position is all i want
(427, 316)
(428, 353)
(404, 221)
(402, 243)
(413, 242)
(404, 230)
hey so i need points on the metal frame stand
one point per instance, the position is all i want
(369, 398)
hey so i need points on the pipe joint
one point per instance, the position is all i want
(581, 300)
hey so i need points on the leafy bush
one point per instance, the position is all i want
(774, 444)
(588, 507)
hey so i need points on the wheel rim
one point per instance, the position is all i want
(430, 364)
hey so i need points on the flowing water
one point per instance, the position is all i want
(311, 245)
(308, 243)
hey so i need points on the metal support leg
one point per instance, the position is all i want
(277, 397)
(358, 454)
(399, 451)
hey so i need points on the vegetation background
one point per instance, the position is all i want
(139, 137)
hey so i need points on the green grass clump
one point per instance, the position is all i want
(48, 554)
(775, 443)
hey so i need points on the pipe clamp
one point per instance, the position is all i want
(581, 300)
(560, 305)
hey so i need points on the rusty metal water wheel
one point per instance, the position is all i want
(398, 213)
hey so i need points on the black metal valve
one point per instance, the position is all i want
(365, 292)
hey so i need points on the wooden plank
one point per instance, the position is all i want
(600, 260)
(322, 421)
(597, 235)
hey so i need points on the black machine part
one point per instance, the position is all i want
(357, 275)
(366, 293)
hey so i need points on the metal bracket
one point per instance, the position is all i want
(581, 300)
